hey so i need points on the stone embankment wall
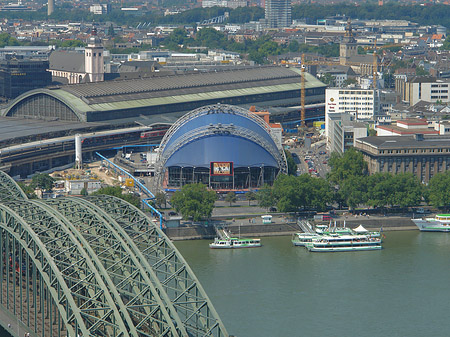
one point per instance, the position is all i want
(287, 228)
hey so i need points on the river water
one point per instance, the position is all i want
(280, 290)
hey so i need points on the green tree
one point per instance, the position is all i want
(304, 191)
(29, 191)
(250, 196)
(349, 81)
(361, 51)
(346, 165)
(446, 44)
(292, 166)
(294, 46)
(194, 201)
(117, 191)
(160, 199)
(328, 79)
(402, 189)
(265, 197)
(111, 32)
(420, 71)
(353, 191)
(84, 192)
(42, 181)
(230, 197)
(438, 190)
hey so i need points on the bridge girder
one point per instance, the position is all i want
(95, 266)
(9, 188)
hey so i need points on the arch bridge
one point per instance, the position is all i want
(94, 266)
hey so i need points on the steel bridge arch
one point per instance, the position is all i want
(13, 225)
(9, 189)
(78, 211)
(95, 266)
(186, 293)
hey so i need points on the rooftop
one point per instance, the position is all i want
(408, 142)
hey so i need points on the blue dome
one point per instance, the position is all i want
(220, 133)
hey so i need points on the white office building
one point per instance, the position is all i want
(361, 104)
(343, 132)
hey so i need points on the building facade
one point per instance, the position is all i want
(422, 155)
(343, 132)
(428, 89)
(18, 76)
(278, 13)
(361, 104)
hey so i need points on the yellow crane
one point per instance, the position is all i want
(375, 66)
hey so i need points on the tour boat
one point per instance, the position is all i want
(235, 243)
(300, 239)
(440, 223)
(343, 243)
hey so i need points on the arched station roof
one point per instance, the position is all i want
(96, 266)
(219, 133)
(170, 94)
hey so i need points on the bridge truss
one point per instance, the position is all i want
(95, 266)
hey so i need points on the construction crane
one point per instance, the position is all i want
(375, 66)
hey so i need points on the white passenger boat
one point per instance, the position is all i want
(300, 239)
(343, 243)
(440, 223)
(235, 243)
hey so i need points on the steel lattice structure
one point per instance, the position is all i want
(96, 266)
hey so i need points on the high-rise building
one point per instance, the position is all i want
(18, 75)
(278, 13)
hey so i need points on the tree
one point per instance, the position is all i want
(160, 199)
(84, 192)
(294, 46)
(349, 82)
(438, 191)
(250, 196)
(111, 32)
(42, 181)
(230, 197)
(292, 166)
(265, 197)
(385, 189)
(361, 51)
(194, 201)
(353, 191)
(291, 193)
(29, 191)
(351, 163)
(328, 79)
(420, 71)
(117, 191)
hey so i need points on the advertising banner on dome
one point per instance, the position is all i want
(221, 168)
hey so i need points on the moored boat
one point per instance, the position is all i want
(343, 243)
(440, 223)
(231, 242)
(300, 239)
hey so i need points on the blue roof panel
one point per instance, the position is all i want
(242, 152)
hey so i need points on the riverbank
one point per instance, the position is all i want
(253, 226)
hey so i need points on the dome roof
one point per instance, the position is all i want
(220, 133)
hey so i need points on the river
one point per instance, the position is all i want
(280, 290)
